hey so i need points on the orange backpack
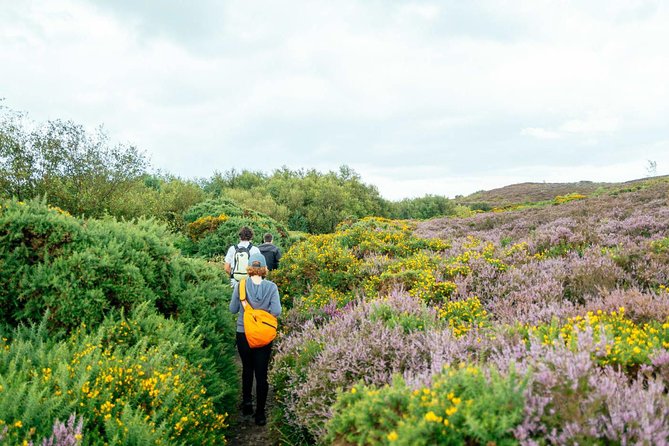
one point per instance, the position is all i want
(259, 325)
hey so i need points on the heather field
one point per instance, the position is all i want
(543, 325)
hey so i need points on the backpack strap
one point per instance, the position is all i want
(242, 294)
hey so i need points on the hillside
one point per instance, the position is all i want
(541, 325)
(535, 192)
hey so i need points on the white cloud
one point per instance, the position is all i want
(539, 133)
(474, 86)
(592, 125)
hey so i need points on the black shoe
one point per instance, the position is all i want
(247, 408)
(261, 420)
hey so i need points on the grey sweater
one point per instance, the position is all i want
(263, 297)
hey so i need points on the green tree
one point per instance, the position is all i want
(165, 198)
(78, 171)
(305, 200)
(429, 206)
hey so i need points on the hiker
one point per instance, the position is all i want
(264, 295)
(237, 257)
(271, 252)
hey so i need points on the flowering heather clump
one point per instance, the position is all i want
(639, 307)
(65, 434)
(571, 299)
(372, 342)
(558, 237)
(569, 399)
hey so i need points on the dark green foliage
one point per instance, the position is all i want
(308, 201)
(423, 208)
(217, 241)
(484, 207)
(144, 373)
(409, 322)
(77, 269)
(82, 270)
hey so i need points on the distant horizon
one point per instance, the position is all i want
(641, 178)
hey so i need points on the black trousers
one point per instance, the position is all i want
(255, 361)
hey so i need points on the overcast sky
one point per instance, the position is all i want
(442, 97)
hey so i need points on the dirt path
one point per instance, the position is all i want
(243, 430)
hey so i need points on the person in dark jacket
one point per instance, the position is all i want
(271, 252)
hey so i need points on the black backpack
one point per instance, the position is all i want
(269, 251)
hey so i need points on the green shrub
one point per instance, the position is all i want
(420, 321)
(343, 261)
(462, 406)
(82, 270)
(213, 226)
(660, 246)
(77, 269)
(132, 380)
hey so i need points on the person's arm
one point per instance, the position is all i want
(274, 301)
(277, 256)
(235, 304)
(229, 257)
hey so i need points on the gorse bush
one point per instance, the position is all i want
(621, 341)
(213, 226)
(372, 255)
(461, 406)
(77, 269)
(138, 380)
(80, 271)
(559, 199)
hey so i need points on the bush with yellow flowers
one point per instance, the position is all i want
(660, 246)
(375, 235)
(319, 260)
(348, 261)
(213, 226)
(204, 225)
(463, 316)
(620, 340)
(83, 270)
(462, 406)
(139, 380)
(560, 199)
(320, 296)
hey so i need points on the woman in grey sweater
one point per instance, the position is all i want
(263, 295)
